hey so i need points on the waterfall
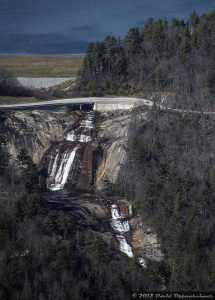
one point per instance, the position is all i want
(66, 162)
(121, 226)
(61, 174)
(83, 134)
(124, 246)
(83, 138)
(61, 163)
(114, 212)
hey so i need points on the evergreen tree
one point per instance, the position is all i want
(29, 171)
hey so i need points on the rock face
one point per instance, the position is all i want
(36, 130)
(144, 241)
(73, 162)
(93, 148)
(113, 134)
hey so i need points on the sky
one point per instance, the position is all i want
(67, 26)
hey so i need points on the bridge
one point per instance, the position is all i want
(96, 103)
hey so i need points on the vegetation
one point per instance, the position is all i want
(173, 156)
(42, 66)
(12, 92)
(9, 86)
(176, 57)
(14, 100)
(45, 255)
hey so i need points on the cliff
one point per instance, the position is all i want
(36, 130)
(97, 147)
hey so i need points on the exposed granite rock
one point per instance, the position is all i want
(36, 130)
(144, 241)
(91, 160)
(113, 134)
(125, 208)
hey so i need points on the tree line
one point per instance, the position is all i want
(46, 253)
(176, 57)
(171, 180)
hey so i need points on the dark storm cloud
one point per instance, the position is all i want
(68, 25)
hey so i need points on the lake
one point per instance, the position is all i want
(67, 26)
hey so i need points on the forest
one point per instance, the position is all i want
(172, 181)
(174, 190)
(49, 253)
(174, 57)
(170, 177)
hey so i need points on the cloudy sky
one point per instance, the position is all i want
(67, 26)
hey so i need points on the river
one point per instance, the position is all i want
(64, 164)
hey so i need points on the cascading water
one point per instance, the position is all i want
(83, 135)
(62, 161)
(65, 163)
(60, 177)
(121, 226)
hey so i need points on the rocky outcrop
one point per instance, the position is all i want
(113, 135)
(36, 130)
(144, 241)
(126, 209)
(82, 175)
(102, 157)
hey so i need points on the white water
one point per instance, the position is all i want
(114, 212)
(53, 167)
(142, 262)
(124, 246)
(60, 165)
(121, 227)
(85, 136)
(61, 174)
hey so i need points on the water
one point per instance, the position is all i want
(85, 130)
(121, 227)
(67, 26)
(62, 160)
(60, 177)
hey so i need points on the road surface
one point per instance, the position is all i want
(101, 102)
(88, 100)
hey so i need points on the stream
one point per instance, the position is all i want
(65, 163)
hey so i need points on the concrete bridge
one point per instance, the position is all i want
(96, 103)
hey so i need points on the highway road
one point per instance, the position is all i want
(88, 100)
(105, 103)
